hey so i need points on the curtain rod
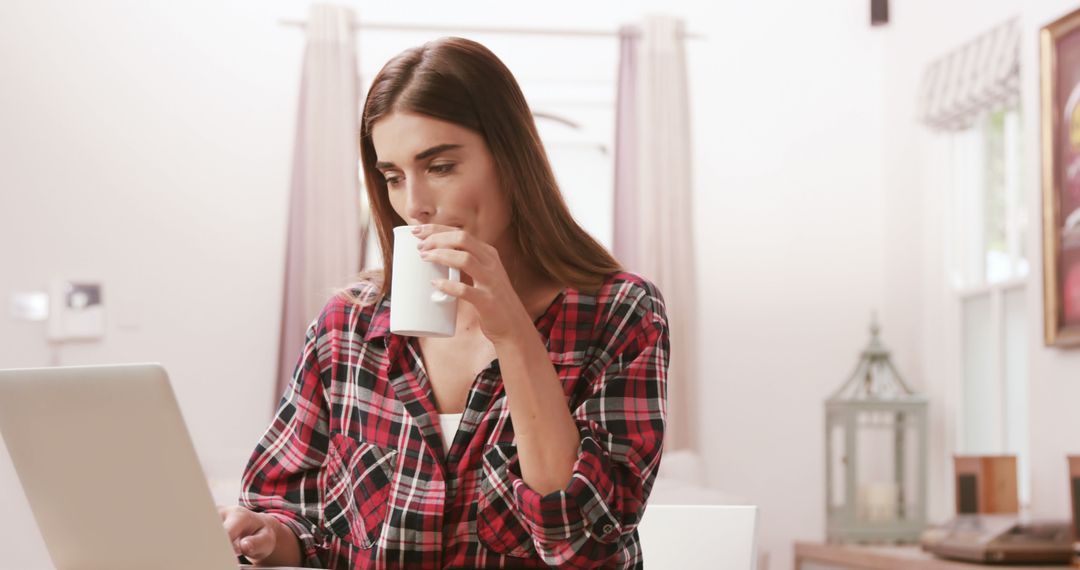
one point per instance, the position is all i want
(480, 30)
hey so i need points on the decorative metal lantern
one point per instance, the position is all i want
(875, 454)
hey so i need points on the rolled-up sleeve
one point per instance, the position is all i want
(281, 477)
(621, 424)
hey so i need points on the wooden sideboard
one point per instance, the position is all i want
(819, 556)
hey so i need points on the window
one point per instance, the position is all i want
(993, 221)
(989, 277)
(583, 161)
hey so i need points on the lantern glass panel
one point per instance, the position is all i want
(887, 472)
(877, 495)
(838, 463)
(912, 488)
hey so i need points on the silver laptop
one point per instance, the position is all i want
(109, 470)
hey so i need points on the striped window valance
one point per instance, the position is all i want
(982, 75)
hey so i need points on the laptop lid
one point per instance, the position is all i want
(720, 537)
(109, 469)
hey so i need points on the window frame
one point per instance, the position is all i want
(967, 269)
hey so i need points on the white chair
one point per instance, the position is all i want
(713, 537)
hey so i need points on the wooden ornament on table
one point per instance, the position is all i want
(986, 484)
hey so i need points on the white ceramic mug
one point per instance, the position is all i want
(417, 308)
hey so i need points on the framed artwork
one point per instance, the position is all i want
(1060, 70)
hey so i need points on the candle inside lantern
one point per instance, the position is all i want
(878, 501)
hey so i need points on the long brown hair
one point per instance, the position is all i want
(462, 82)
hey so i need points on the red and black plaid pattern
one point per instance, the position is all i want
(354, 463)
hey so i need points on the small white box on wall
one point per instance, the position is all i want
(76, 311)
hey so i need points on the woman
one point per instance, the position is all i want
(558, 366)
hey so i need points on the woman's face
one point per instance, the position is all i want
(441, 173)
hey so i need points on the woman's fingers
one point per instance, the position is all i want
(250, 533)
(446, 237)
(490, 290)
(456, 289)
(458, 259)
(238, 522)
(260, 544)
(423, 231)
(455, 239)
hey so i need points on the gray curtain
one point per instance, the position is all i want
(323, 244)
(625, 224)
(654, 231)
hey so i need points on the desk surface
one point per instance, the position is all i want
(887, 558)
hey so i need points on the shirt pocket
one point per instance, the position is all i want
(498, 523)
(354, 489)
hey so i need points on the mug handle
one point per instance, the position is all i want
(440, 297)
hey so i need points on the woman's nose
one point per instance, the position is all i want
(419, 205)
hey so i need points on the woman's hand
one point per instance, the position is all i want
(502, 315)
(256, 536)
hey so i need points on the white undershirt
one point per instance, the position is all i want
(449, 424)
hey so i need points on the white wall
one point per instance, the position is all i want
(148, 145)
(915, 275)
(788, 178)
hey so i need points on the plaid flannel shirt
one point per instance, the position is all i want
(353, 461)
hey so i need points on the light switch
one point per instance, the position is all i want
(77, 311)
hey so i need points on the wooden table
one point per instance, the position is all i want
(818, 556)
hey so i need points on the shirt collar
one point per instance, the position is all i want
(379, 327)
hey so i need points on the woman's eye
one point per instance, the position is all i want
(442, 168)
(392, 181)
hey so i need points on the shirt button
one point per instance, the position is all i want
(608, 528)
